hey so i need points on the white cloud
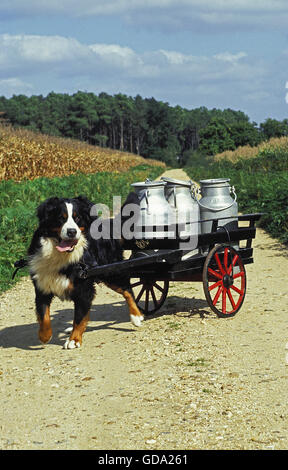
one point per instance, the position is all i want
(112, 6)
(224, 67)
(115, 54)
(169, 14)
(28, 54)
(33, 48)
(228, 57)
(176, 58)
(13, 86)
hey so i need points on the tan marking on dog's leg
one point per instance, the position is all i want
(45, 330)
(136, 316)
(75, 339)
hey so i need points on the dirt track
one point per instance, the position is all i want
(184, 380)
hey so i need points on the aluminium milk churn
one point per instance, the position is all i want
(180, 195)
(217, 203)
(154, 210)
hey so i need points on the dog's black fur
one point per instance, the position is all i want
(62, 241)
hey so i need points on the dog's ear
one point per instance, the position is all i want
(47, 209)
(85, 207)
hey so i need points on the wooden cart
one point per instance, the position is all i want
(217, 264)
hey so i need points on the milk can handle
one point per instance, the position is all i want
(232, 190)
(147, 200)
(174, 196)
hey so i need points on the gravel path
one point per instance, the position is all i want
(184, 380)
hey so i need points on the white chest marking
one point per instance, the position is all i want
(47, 262)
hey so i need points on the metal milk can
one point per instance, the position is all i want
(155, 211)
(217, 203)
(180, 195)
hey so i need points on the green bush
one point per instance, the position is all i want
(261, 185)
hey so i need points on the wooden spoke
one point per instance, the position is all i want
(149, 294)
(224, 281)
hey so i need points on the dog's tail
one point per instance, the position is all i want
(21, 263)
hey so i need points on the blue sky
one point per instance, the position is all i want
(218, 54)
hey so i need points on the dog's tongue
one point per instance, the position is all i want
(66, 245)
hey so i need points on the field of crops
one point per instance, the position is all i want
(27, 155)
(274, 146)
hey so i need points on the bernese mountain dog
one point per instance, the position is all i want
(62, 241)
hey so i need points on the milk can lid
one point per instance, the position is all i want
(174, 181)
(215, 181)
(148, 184)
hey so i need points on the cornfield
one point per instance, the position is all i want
(28, 155)
(276, 144)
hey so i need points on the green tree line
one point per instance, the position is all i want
(139, 125)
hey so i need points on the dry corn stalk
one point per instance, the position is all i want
(27, 155)
(249, 152)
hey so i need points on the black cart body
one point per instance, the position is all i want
(218, 264)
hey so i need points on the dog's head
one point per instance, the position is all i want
(65, 220)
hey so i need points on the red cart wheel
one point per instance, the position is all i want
(149, 294)
(224, 281)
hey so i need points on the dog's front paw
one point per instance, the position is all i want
(136, 319)
(71, 344)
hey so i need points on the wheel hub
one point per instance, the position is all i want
(227, 281)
